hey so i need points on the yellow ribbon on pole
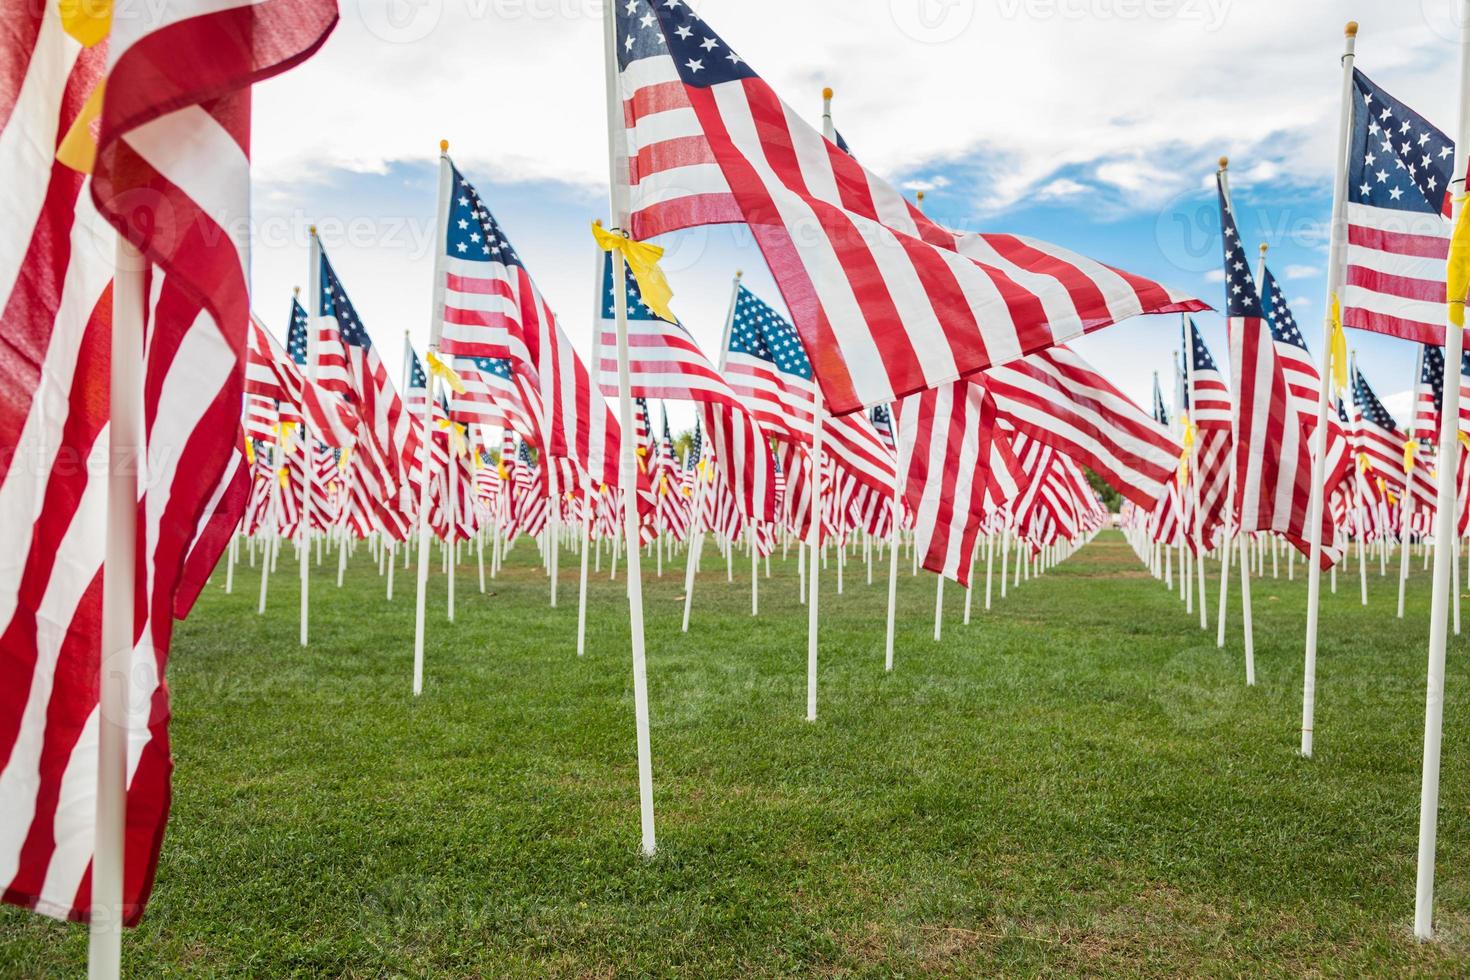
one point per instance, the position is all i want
(88, 21)
(1188, 441)
(444, 373)
(1410, 448)
(284, 475)
(642, 259)
(1457, 269)
(456, 432)
(283, 431)
(344, 459)
(1337, 349)
(250, 451)
(1363, 464)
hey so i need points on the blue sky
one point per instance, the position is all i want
(1088, 127)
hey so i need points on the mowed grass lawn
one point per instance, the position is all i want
(1077, 782)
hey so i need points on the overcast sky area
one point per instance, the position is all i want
(1094, 124)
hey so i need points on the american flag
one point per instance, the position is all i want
(882, 418)
(491, 396)
(769, 370)
(665, 362)
(171, 170)
(1398, 234)
(1058, 399)
(493, 309)
(1302, 379)
(1428, 397)
(1273, 465)
(1379, 438)
(416, 391)
(347, 356)
(889, 302)
(275, 374)
(951, 472)
(1161, 414)
(1207, 404)
(261, 418)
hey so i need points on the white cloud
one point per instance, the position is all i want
(1215, 275)
(1301, 271)
(1062, 188)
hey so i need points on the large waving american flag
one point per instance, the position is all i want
(170, 169)
(1398, 207)
(886, 301)
(1273, 465)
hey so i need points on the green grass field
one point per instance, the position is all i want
(1078, 782)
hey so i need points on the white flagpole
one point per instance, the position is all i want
(696, 545)
(1449, 446)
(819, 414)
(582, 588)
(1406, 505)
(553, 525)
(1199, 536)
(233, 556)
(451, 510)
(314, 298)
(1241, 542)
(1335, 258)
(938, 606)
(125, 434)
(436, 323)
(618, 192)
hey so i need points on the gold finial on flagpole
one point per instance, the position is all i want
(827, 94)
(1224, 163)
(1351, 29)
(295, 290)
(1264, 246)
(920, 196)
(443, 146)
(739, 273)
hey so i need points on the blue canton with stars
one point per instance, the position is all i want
(1431, 373)
(1368, 404)
(1241, 298)
(653, 27)
(1203, 360)
(335, 304)
(637, 309)
(1397, 159)
(417, 379)
(296, 342)
(759, 331)
(498, 366)
(696, 446)
(1200, 357)
(473, 232)
(881, 419)
(1161, 415)
(1278, 314)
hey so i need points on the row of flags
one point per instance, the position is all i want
(920, 378)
